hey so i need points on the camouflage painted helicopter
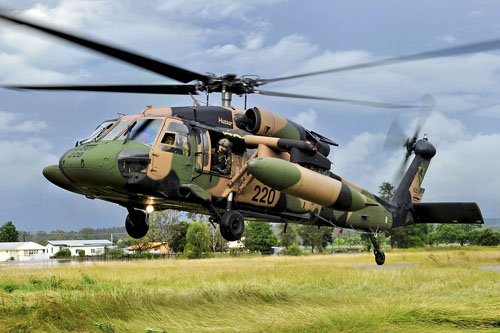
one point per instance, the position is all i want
(276, 170)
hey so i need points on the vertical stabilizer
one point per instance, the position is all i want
(409, 190)
(416, 190)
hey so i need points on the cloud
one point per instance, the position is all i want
(464, 170)
(356, 160)
(307, 119)
(448, 39)
(22, 162)
(211, 10)
(12, 122)
(474, 14)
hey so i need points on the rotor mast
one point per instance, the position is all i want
(226, 96)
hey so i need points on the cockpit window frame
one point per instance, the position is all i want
(95, 135)
(103, 137)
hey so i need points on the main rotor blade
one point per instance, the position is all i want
(341, 100)
(174, 89)
(452, 51)
(162, 68)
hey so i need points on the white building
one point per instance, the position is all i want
(22, 251)
(92, 247)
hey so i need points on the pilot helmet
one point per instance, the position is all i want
(224, 143)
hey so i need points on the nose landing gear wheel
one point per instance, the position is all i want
(136, 224)
(232, 225)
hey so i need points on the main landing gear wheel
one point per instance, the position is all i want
(136, 223)
(232, 225)
(379, 257)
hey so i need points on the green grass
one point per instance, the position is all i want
(323, 293)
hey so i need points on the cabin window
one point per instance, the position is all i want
(203, 143)
(122, 124)
(176, 139)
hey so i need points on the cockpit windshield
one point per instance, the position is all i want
(143, 130)
(103, 127)
(116, 130)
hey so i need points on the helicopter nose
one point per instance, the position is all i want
(91, 165)
(54, 175)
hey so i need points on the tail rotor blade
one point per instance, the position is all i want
(428, 104)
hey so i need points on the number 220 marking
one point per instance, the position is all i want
(264, 195)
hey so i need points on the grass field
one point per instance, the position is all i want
(431, 291)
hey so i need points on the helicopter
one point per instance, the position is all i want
(275, 169)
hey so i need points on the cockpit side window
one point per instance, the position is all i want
(176, 139)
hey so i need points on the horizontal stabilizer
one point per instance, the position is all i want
(447, 212)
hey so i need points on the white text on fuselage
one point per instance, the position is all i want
(225, 122)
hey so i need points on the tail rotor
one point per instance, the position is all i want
(396, 137)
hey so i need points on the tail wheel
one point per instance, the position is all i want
(379, 257)
(136, 224)
(232, 225)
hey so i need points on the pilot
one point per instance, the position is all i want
(169, 139)
(221, 158)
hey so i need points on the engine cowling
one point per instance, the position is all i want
(259, 121)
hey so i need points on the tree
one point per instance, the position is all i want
(313, 236)
(258, 236)
(217, 242)
(161, 224)
(462, 233)
(410, 236)
(177, 236)
(59, 235)
(289, 237)
(484, 236)
(386, 191)
(197, 241)
(9, 233)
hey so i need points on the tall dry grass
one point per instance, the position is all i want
(429, 290)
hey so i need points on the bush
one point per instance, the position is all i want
(294, 250)
(115, 253)
(81, 253)
(63, 253)
(235, 252)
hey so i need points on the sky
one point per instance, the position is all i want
(270, 38)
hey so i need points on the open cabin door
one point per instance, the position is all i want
(172, 151)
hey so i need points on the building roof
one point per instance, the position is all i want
(20, 246)
(81, 242)
(150, 246)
